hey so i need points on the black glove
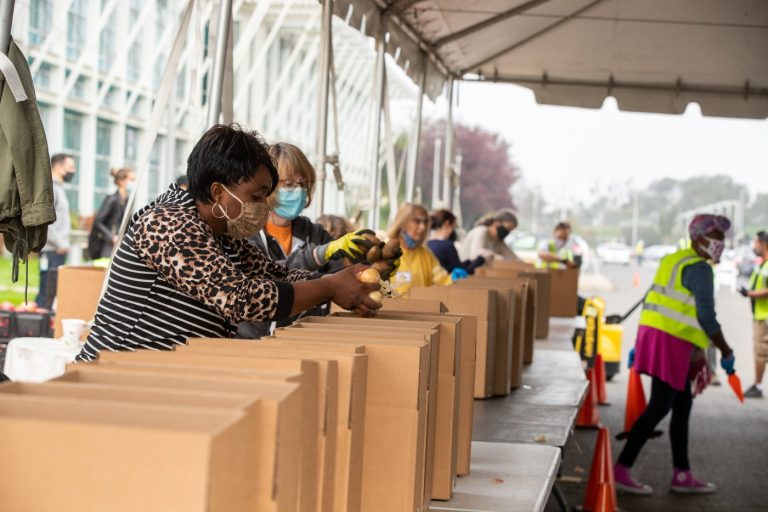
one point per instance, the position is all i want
(743, 291)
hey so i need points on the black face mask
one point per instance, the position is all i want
(68, 177)
(453, 236)
(502, 232)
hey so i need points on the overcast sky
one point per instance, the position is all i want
(566, 151)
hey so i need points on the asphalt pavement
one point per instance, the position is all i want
(728, 440)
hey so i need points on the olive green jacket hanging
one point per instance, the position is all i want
(26, 188)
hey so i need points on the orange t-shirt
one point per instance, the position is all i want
(282, 234)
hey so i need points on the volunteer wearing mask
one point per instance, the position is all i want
(486, 239)
(418, 266)
(758, 295)
(677, 325)
(185, 268)
(557, 252)
(106, 223)
(442, 243)
(294, 240)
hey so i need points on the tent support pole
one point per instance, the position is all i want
(381, 69)
(413, 154)
(321, 145)
(219, 63)
(448, 160)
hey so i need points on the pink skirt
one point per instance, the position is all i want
(669, 358)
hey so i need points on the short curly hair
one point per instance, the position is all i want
(227, 154)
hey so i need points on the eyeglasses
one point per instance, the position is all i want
(292, 184)
(419, 221)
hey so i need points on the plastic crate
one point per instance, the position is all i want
(33, 325)
(7, 321)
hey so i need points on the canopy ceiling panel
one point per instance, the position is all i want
(651, 55)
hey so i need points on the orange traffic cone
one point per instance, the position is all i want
(605, 502)
(636, 404)
(588, 414)
(602, 397)
(601, 472)
(636, 280)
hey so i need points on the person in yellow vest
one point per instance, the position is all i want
(677, 324)
(557, 252)
(758, 294)
(418, 266)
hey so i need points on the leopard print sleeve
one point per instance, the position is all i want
(182, 249)
(255, 260)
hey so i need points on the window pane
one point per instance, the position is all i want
(76, 26)
(73, 134)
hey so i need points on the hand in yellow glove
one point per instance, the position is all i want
(352, 245)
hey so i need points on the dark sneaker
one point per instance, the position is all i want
(753, 392)
(684, 483)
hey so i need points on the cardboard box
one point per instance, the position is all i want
(508, 356)
(310, 382)
(352, 405)
(328, 384)
(114, 456)
(543, 292)
(417, 334)
(511, 265)
(350, 410)
(449, 389)
(482, 305)
(77, 293)
(281, 449)
(466, 384)
(396, 420)
(412, 305)
(525, 311)
(565, 292)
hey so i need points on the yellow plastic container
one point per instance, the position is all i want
(610, 347)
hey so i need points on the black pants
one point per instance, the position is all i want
(663, 398)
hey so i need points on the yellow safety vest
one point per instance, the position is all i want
(563, 253)
(671, 307)
(758, 282)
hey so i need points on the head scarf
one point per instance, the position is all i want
(705, 223)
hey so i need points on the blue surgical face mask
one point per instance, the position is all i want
(409, 241)
(129, 187)
(290, 202)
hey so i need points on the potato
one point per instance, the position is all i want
(373, 239)
(368, 275)
(381, 267)
(391, 250)
(374, 254)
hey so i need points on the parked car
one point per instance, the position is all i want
(745, 260)
(614, 252)
(653, 254)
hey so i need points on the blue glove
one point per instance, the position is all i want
(631, 358)
(727, 364)
(459, 273)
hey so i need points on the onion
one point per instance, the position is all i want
(368, 275)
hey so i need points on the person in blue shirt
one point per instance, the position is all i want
(442, 243)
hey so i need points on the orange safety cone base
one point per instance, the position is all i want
(589, 416)
(602, 395)
(600, 474)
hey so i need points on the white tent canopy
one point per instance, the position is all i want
(651, 55)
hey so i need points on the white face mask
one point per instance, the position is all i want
(714, 250)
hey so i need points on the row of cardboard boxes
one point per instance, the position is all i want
(334, 413)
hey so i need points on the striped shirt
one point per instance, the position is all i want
(172, 278)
